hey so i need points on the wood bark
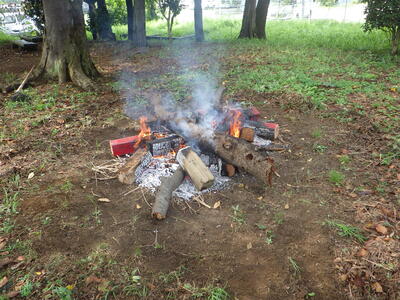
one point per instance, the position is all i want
(92, 18)
(198, 21)
(395, 40)
(245, 156)
(201, 176)
(129, 8)
(65, 53)
(163, 197)
(261, 18)
(139, 21)
(104, 22)
(127, 172)
(249, 19)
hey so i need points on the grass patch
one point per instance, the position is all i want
(5, 38)
(238, 215)
(347, 230)
(336, 177)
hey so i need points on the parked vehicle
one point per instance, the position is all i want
(16, 24)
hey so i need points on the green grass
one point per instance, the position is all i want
(5, 38)
(345, 230)
(294, 266)
(336, 177)
(238, 215)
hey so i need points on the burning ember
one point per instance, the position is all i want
(235, 124)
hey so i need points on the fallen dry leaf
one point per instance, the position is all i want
(381, 229)
(31, 174)
(103, 200)
(138, 206)
(12, 294)
(93, 279)
(4, 262)
(20, 258)
(3, 244)
(343, 277)
(3, 282)
(376, 286)
(353, 195)
(217, 204)
(362, 252)
(286, 206)
(249, 246)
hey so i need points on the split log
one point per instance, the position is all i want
(127, 172)
(165, 145)
(247, 134)
(163, 197)
(267, 130)
(266, 133)
(193, 165)
(244, 155)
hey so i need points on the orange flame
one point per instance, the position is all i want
(235, 124)
(144, 132)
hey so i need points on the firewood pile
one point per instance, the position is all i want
(186, 154)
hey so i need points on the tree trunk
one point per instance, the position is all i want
(139, 19)
(198, 21)
(249, 20)
(92, 18)
(104, 22)
(395, 40)
(261, 18)
(129, 8)
(65, 53)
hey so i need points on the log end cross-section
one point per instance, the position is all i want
(193, 165)
(244, 155)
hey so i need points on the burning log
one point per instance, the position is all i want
(163, 146)
(163, 197)
(269, 131)
(247, 134)
(127, 172)
(193, 165)
(244, 155)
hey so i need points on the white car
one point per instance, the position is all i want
(16, 24)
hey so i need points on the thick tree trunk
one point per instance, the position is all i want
(104, 22)
(395, 41)
(198, 21)
(249, 20)
(261, 18)
(65, 53)
(129, 8)
(139, 31)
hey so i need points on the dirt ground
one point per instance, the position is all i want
(280, 248)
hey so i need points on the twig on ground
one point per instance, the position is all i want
(200, 200)
(131, 191)
(144, 197)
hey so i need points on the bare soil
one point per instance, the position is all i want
(283, 223)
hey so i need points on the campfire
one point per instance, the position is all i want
(188, 154)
